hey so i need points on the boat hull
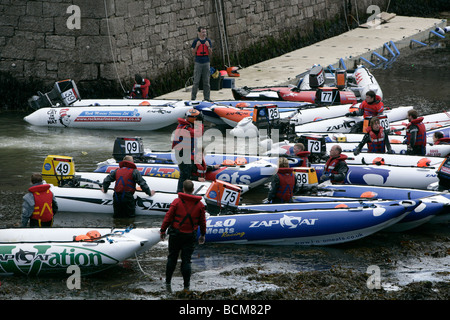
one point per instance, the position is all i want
(36, 251)
(110, 117)
(305, 228)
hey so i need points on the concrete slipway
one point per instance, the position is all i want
(349, 46)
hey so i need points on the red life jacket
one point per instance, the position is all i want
(144, 89)
(442, 141)
(189, 209)
(43, 203)
(330, 166)
(202, 49)
(304, 156)
(200, 169)
(372, 109)
(178, 143)
(421, 139)
(287, 184)
(376, 143)
(124, 177)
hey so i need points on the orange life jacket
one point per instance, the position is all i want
(43, 203)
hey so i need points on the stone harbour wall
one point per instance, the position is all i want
(91, 40)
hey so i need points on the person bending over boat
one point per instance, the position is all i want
(376, 137)
(438, 138)
(187, 136)
(284, 184)
(200, 168)
(126, 177)
(141, 88)
(39, 204)
(186, 214)
(298, 150)
(335, 168)
(416, 135)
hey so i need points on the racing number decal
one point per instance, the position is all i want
(132, 146)
(273, 113)
(229, 197)
(302, 177)
(314, 146)
(62, 168)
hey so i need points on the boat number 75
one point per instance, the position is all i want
(229, 196)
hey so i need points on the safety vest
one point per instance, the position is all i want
(421, 139)
(372, 109)
(443, 172)
(442, 141)
(287, 184)
(202, 49)
(124, 177)
(179, 144)
(376, 143)
(188, 212)
(304, 156)
(43, 203)
(200, 169)
(330, 166)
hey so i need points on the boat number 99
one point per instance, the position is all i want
(132, 146)
(229, 196)
(62, 168)
(314, 146)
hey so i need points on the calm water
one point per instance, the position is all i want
(419, 78)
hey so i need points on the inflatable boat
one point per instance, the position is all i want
(431, 122)
(303, 227)
(37, 251)
(417, 216)
(307, 115)
(318, 86)
(206, 108)
(345, 124)
(77, 199)
(394, 136)
(250, 174)
(111, 115)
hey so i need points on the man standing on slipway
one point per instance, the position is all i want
(201, 49)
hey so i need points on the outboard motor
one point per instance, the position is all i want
(316, 77)
(222, 198)
(341, 79)
(443, 174)
(129, 146)
(64, 93)
(315, 144)
(58, 170)
(267, 116)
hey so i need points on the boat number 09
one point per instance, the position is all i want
(314, 146)
(229, 197)
(132, 146)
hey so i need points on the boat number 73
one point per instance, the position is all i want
(314, 146)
